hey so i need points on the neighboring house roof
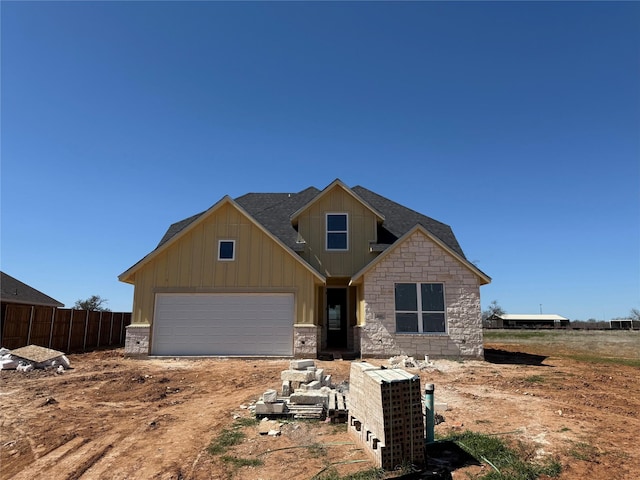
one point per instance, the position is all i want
(275, 210)
(527, 317)
(15, 291)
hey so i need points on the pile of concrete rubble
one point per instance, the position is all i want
(26, 359)
(306, 393)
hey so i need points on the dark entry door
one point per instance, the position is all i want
(336, 317)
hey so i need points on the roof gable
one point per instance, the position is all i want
(15, 291)
(337, 183)
(184, 227)
(276, 212)
(484, 278)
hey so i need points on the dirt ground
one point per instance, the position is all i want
(112, 417)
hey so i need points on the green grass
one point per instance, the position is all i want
(611, 347)
(370, 474)
(246, 422)
(584, 451)
(230, 437)
(509, 334)
(629, 362)
(507, 462)
(225, 439)
(534, 379)
(238, 462)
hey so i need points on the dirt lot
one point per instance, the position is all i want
(118, 418)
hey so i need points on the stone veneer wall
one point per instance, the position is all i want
(137, 340)
(419, 259)
(305, 340)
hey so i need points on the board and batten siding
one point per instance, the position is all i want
(362, 230)
(191, 264)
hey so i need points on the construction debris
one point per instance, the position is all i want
(306, 393)
(25, 359)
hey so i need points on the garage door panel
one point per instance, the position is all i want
(223, 324)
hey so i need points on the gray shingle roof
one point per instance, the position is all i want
(14, 291)
(274, 210)
(399, 220)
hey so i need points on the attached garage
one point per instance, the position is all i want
(223, 324)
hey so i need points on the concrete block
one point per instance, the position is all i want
(315, 385)
(326, 380)
(319, 374)
(270, 396)
(286, 388)
(301, 364)
(269, 408)
(310, 397)
(297, 375)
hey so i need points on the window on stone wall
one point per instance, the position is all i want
(420, 308)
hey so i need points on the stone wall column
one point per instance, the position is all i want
(305, 340)
(136, 341)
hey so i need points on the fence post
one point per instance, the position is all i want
(111, 329)
(99, 329)
(70, 328)
(86, 329)
(121, 340)
(53, 318)
(30, 324)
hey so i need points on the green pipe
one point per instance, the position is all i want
(429, 410)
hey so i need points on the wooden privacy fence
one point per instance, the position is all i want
(62, 329)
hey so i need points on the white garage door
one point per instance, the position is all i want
(223, 324)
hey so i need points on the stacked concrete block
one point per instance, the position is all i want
(306, 393)
(385, 415)
(270, 404)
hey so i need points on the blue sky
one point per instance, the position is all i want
(517, 123)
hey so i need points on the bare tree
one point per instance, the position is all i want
(493, 309)
(94, 302)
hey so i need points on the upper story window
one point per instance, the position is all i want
(420, 308)
(337, 231)
(226, 250)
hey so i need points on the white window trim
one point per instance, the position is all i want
(233, 257)
(420, 311)
(326, 232)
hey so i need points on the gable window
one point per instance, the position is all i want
(226, 250)
(337, 231)
(420, 308)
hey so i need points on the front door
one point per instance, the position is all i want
(336, 317)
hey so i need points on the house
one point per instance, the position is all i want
(527, 321)
(624, 324)
(299, 274)
(13, 291)
(18, 300)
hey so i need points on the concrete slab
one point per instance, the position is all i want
(310, 397)
(36, 353)
(275, 408)
(301, 364)
(297, 375)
